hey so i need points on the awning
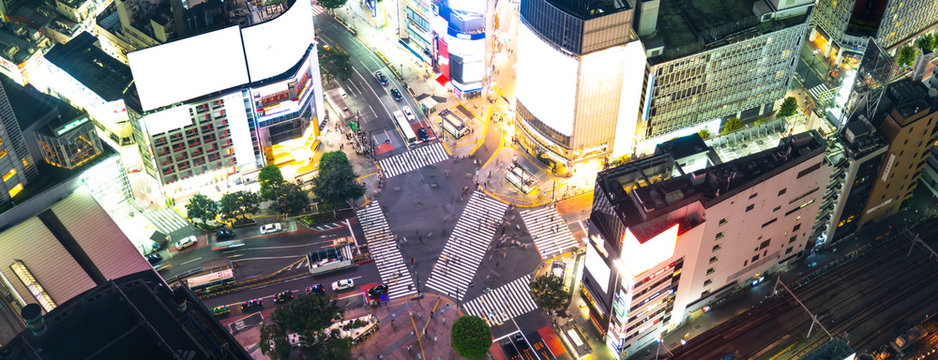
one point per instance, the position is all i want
(158, 237)
(442, 80)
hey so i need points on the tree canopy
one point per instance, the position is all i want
(269, 178)
(202, 208)
(906, 55)
(239, 204)
(471, 337)
(308, 316)
(549, 292)
(332, 4)
(336, 181)
(335, 62)
(704, 134)
(732, 124)
(789, 107)
(290, 199)
(926, 42)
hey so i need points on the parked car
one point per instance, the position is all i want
(379, 291)
(422, 134)
(381, 78)
(252, 305)
(283, 297)
(343, 284)
(409, 113)
(186, 242)
(396, 94)
(154, 258)
(224, 235)
(271, 228)
(318, 288)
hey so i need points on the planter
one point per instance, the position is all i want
(238, 223)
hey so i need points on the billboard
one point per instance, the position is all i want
(546, 81)
(188, 68)
(277, 45)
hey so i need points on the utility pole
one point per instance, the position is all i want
(916, 239)
(814, 319)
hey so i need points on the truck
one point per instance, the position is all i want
(330, 259)
(904, 341)
(355, 329)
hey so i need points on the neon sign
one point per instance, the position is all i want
(74, 124)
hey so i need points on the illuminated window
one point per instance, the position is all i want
(16, 190)
(4, 153)
(19, 268)
(9, 174)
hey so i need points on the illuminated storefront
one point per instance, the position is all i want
(458, 44)
(70, 144)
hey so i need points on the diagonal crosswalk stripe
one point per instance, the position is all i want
(391, 266)
(550, 233)
(467, 245)
(503, 303)
(413, 159)
(166, 220)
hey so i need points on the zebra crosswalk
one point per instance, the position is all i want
(548, 230)
(467, 245)
(821, 93)
(503, 303)
(413, 159)
(388, 258)
(318, 10)
(166, 220)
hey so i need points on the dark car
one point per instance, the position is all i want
(381, 78)
(422, 133)
(154, 258)
(318, 288)
(252, 305)
(283, 297)
(520, 342)
(396, 94)
(510, 350)
(224, 235)
(380, 291)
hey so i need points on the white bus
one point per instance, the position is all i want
(209, 282)
(454, 126)
(404, 127)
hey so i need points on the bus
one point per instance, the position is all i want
(453, 125)
(404, 127)
(211, 281)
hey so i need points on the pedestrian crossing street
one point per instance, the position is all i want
(821, 93)
(318, 10)
(388, 258)
(413, 159)
(467, 245)
(166, 220)
(503, 303)
(550, 233)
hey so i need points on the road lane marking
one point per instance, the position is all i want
(191, 261)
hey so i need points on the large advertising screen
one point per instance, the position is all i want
(275, 46)
(283, 97)
(188, 68)
(546, 81)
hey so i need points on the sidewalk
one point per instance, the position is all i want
(432, 316)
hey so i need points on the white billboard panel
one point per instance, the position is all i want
(189, 68)
(470, 6)
(275, 46)
(546, 81)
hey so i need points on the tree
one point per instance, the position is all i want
(471, 337)
(202, 208)
(291, 199)
(308, 316)
(549, 293)
(925, 43)
(331, 4)
(269, 178)
(789, 106)
(239, 203)
(704, 134)
(336, 181)
(273, 342)
(732, 124)
(336, 63)
(621, 160)
(906, 56)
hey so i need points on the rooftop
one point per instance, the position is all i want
(29, 105)
(644, 189)
(19, 42)
(91, 66)
(859, 138)
(135, 314)
(689, 26)
(588, 9)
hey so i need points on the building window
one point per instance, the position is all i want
(9, 174)
(764, 244)
(723, 221)
(769, 222)
(809, 170)
(797, 226)
(713, 259)
(776, 208)
(720, 235)
(710, 271)
(715, 248)
(35, 288)
(782, 191)
(15, 190)
(755, 258)
(707, 283)
(753, 195)
(788, 250)
(750, 207)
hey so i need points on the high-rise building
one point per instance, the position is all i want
(136, 315)
(908, 120)
(580, 78)
(711, 60)
(458, 35)
(664, 243)
(844, 26)
(16, 165)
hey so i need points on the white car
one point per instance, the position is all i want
(271, 228)
(186, 242)
(343, 284)
(409, 113)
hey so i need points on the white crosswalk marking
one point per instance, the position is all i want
(391, 265)
(503, 303)
(548, 230)
(467, 245)
(413, 159)
(318, 10)
(821, 93)
(166, 220)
